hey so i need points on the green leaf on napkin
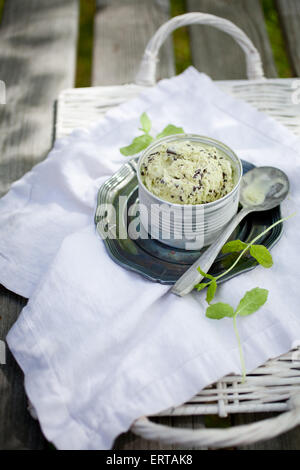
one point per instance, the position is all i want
(252, 301)
(211, 290)
(219, 310)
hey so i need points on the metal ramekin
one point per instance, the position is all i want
(188, 226)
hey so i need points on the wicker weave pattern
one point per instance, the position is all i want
(267, 389)
(80, 107)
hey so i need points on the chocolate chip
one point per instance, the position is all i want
(172, 152)
(197, 173)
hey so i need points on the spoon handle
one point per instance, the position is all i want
(187, 281)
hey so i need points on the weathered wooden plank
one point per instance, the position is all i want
(129, 441)
(37, 60)
(287, 441)
(17, 429)
(215, 52)
(289, 14)
(122, 30)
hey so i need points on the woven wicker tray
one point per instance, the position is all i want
(274, 386)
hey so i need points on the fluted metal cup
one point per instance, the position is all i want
(188, 226)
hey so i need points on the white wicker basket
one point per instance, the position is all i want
(274, 386)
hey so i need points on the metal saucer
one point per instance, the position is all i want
(154, 260)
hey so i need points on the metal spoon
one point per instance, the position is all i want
(262, 189)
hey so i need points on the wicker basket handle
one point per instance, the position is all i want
(220, 438)
(147, 71)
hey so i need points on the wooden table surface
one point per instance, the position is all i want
(38, 44)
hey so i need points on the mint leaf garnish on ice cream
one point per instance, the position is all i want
(143, 141)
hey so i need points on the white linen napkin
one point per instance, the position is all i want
(100, 345)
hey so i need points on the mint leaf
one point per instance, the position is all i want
(170, 130)
(252, 301)
(228, 260)
(208, 276)
(262, 255)
(146, 123)
(233, 246)
(219, 310)
(138, 144)
(211, 290)
(200, 286)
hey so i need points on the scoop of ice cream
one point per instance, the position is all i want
(187, 172)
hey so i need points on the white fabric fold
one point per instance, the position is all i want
(100, 345)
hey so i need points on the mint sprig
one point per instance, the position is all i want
(234, 246)
(170, 130)
(211, 290)
(262, 255)
(252, 300)
(249, 304)
(219, 310)
(259, 252)
(138, 144)
(143, 141)
(145, 123)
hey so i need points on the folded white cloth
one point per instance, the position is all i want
(100, 345)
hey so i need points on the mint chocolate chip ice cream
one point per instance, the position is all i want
(187, 172)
